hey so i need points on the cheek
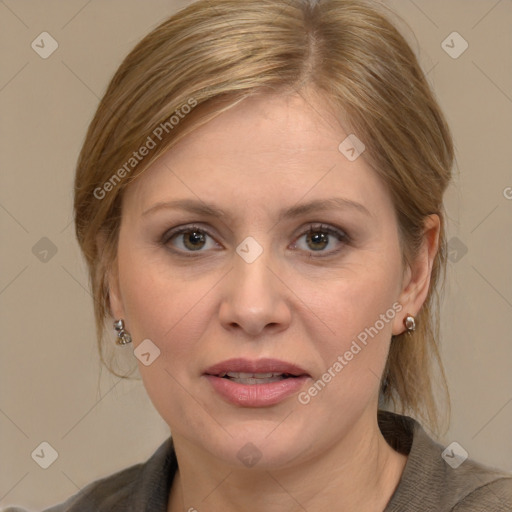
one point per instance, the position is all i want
(171, 312)
(353, 300)
(156, 298)
(357, 317)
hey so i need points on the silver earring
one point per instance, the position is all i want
(410, 323)
(123, 338)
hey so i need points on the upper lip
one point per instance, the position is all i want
(255, 366)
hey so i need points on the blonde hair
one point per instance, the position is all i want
(215, 54)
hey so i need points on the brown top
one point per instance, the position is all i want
(429, 483)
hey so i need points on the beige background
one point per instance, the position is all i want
(51, 388)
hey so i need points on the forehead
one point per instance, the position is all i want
(285, 122)
(267, 149)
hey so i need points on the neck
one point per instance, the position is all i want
(359, 472)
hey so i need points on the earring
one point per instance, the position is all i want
(123, 338)
(410, 323)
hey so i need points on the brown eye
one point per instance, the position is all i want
(193, 240)
(319, 238)
(189, 239)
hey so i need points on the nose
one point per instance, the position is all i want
(255, 298)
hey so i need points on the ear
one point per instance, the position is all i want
(114, 301)
(417, 274)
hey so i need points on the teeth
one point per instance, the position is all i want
(243, 375)
(253, 378)
(252, 381)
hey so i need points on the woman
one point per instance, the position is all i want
(259, 201)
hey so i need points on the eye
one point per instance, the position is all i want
(189, 239)
(318, 238)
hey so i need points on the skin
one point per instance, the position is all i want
(268, 153)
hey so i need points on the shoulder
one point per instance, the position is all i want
(495, 495)
(101, 495)
(434, 480)
(134, 488)
(108, 493)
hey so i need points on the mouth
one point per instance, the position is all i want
(256, 383)
(258, 370)
(252, 379)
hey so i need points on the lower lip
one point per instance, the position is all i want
(256, 395)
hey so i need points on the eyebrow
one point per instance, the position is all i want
(201, 208)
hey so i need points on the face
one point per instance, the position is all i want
(296, 283)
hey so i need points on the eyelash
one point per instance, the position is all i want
(341, 235)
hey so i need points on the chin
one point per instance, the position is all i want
(260, 445)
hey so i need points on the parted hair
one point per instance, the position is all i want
(207, 58)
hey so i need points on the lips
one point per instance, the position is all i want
(255, 383)
(255, 367)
